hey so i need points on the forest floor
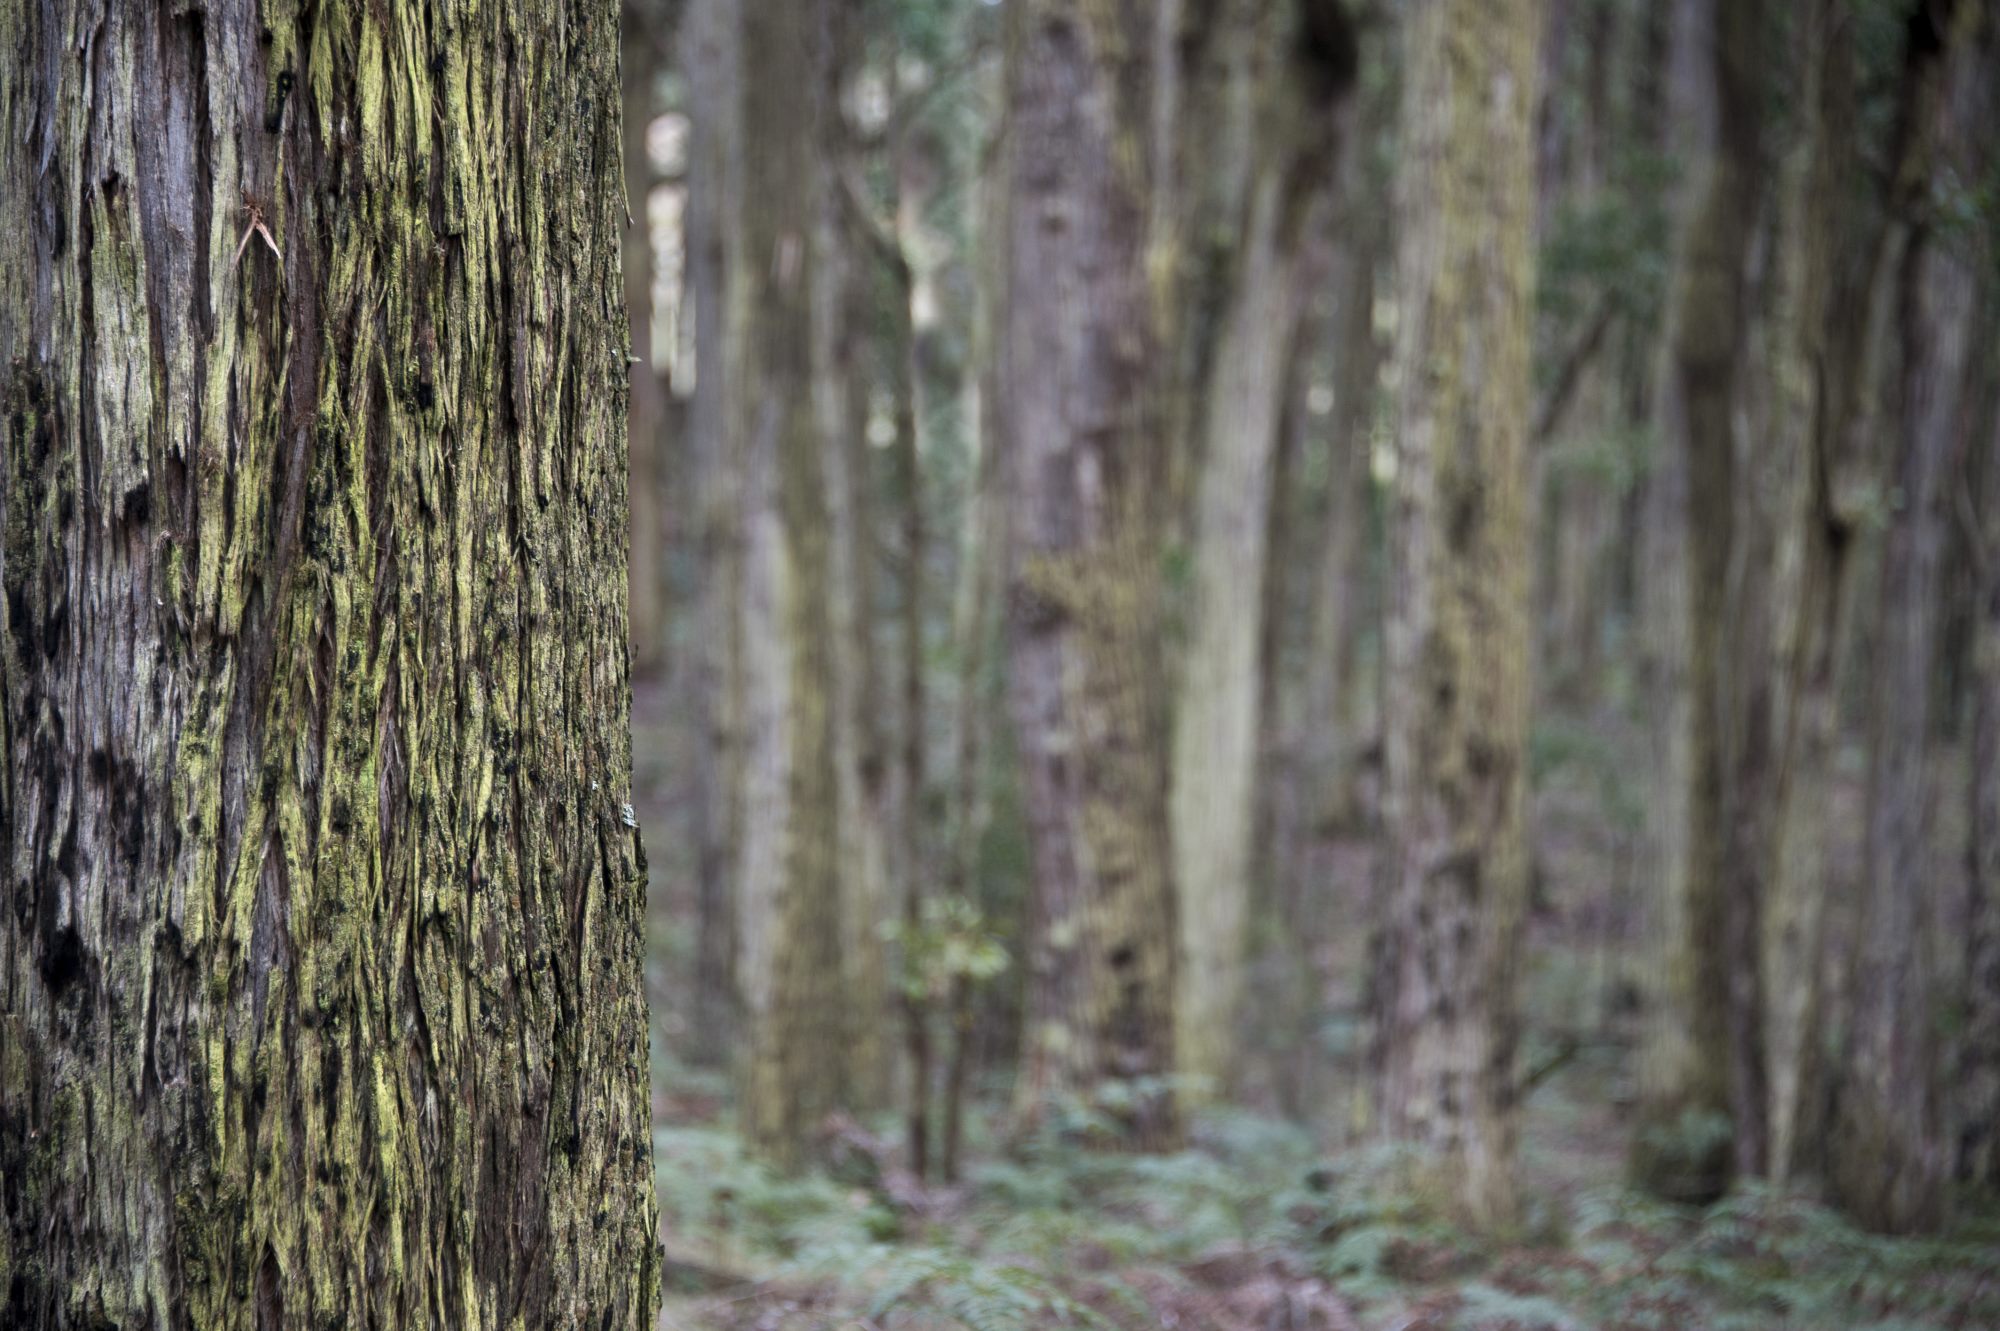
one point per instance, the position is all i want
(1266, 1224)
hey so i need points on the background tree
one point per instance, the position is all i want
(711, 55)
(1892, 1166)
(1079, 426)
(1456, 696)
(788, 898)
(322, 961)
(1715, 994)
(1289, 68)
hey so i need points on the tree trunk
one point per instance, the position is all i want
(1715, 995)
(1083, 456)
(1457, 689)
(1667, 1062)
(842, 312)
(322, 990)
(788, 898)
(712, 38)
(1216, 725)
(646, 421)
(1891, 1165)
(1980, 1108)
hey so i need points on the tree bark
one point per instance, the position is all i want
(1457, 690)
(322, 985)
(788, 889)
(1082, 449)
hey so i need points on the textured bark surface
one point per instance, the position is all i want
(1288, 103)
(788, 897)
(1083, 456)
(321, 956)
(1892, 1165)
(1457, 691)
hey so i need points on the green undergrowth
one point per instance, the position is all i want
(1251, 1223)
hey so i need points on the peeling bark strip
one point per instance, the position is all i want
(320, 955)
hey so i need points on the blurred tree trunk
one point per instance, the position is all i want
(1662, 595)
(1891, 1164)
(1979, 1102)
(646, 39)
(323, 955)
(1294, 79)
(843, 309)
(1980, 1106)
(1573, 490)
(712, 42)
(1083, 454)
(1806, 402)
(1456, 680)
(1316, 585)
(1714, 990)
(788, 898)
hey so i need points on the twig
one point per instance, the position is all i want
(256, 228)
(1570, 372)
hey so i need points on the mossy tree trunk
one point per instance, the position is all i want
(322, 968)
(1083, 453)
(1456, 689)
(788, 897)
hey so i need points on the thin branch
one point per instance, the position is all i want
(1570, 373)
(879, 232)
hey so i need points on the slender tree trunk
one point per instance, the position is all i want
(1715, 993)
(646, 421)
(843, 306)
(1892, 1165)
(1083, 457)
(711, 38)
(1213, 811)
(1980, 1106)
(788, 899)
(320, 985)
(1792, 922)
(1457, 689)
(1667, 1066)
